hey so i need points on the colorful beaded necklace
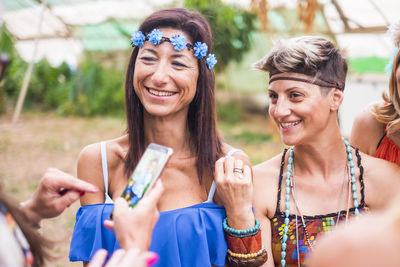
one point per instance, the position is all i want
(289, 174)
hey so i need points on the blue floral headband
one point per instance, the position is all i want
(178, 41)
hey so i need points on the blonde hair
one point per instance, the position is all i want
(389, 112)
(310, 55)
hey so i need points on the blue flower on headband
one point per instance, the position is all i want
(155, 36)
(211, 61)
(138, 38)
(200, 49)
(179, 42)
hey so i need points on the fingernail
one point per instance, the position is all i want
(81, 193)
(151, 259)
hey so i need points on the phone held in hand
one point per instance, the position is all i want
(149, 168)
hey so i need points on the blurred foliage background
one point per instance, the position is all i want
(95, 86)
(68, 107)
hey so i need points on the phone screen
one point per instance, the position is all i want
(146, 172)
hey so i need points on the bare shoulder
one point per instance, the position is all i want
(89, 170)
(89, 159)
(381, 180)
(90, 166)
(115, 149)
(269, 168)
(367, 117)
(366, 131)
(266, 182)
(379, 169)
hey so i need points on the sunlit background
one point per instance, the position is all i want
(63, 65)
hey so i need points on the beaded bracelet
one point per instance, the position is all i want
(246, 256)
(241, 233)
(247, 262)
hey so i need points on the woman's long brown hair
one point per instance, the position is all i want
(204, 137)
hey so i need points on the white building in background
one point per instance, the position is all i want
(360, 91)
(58, 43)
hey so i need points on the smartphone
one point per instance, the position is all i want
(149, 168)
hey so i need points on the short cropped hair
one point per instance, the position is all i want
(313, 56)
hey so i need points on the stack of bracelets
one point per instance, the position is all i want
(244, 246)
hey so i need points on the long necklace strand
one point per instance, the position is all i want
(349, 195)
(287, 196)
(342, 194)
(352, 173)
(297, 208)
(297, 228)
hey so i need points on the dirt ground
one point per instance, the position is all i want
(42, 140)
(39, 141)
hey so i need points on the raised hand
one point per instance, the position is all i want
(133, 227)
(235, 188)
(57, 191)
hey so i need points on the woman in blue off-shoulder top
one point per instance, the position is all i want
(169, 93)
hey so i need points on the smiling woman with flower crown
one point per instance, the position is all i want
(169, 94)
(319, 180)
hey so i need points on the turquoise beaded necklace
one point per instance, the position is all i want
(289, 173)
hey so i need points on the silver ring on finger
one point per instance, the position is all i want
(239, 172)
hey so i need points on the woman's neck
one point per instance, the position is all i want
(169, 131)
(323, 157)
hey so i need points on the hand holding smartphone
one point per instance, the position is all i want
(147, 171)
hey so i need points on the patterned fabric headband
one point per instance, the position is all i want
(178, 41)
(318, 82)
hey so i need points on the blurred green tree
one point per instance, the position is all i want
(90, 90)
(6, 52)
(6, 43)
(94, 90)
(231, 26)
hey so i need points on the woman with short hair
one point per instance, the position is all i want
(319, 181)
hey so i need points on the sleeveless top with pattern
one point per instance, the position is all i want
(316, 225)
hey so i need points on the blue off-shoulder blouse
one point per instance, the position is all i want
(191, 236)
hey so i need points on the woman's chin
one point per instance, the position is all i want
(289, 141)
(157, 111)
